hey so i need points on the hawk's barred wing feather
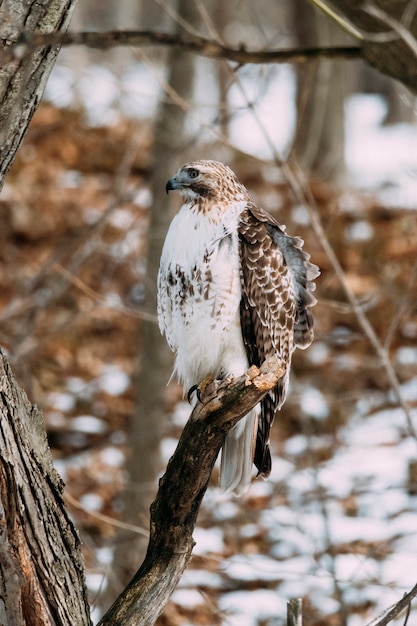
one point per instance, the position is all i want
(275, 316)
(302, 272)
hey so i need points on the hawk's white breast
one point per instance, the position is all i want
(200, 292)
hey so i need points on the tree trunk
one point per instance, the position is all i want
(23, 78)
(321, 91)
(41, 566)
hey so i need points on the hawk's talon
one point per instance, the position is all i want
(191, 391)
(200, 389)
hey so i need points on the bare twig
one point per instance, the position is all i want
(97, 297)
(396, 609)
(397, 30)
(405, 304)
(338, 18)
(105, 518)
(177, 17)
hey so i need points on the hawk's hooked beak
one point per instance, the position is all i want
(173, 184)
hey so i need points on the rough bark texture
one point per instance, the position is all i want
(181, 490)
(386, 31)
(23, 77)
(41, 566)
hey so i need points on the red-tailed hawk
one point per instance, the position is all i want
(233, 290)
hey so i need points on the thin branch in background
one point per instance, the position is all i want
(350, 28)
(97, 297)
(105, 518)
(116, 199)
(395, 610)
(409, 13)
(252, 108)
(305, 197)
(175, 97)
(177, 18)
(407, 614)
(192, 43)
(327, 547)
(404, 305)
(398, 30)
(255, 20)
(205, 16)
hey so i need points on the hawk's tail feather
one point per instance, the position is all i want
(262, 459)
(237, 455)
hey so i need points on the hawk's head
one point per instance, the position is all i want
(207, 180)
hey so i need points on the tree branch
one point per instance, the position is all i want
(395, 610)
(28, 43)
(181, 490)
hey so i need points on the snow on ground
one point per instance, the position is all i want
(381, 157)
(314, 545)
(248, 609)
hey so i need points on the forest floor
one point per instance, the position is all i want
(337, 522)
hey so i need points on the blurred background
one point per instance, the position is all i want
(330, 149)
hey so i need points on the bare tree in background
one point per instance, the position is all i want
(322, 88)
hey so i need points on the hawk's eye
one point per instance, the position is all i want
(194, 173)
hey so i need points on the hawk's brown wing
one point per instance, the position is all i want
(275, 317)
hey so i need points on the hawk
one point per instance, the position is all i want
(233, 290)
